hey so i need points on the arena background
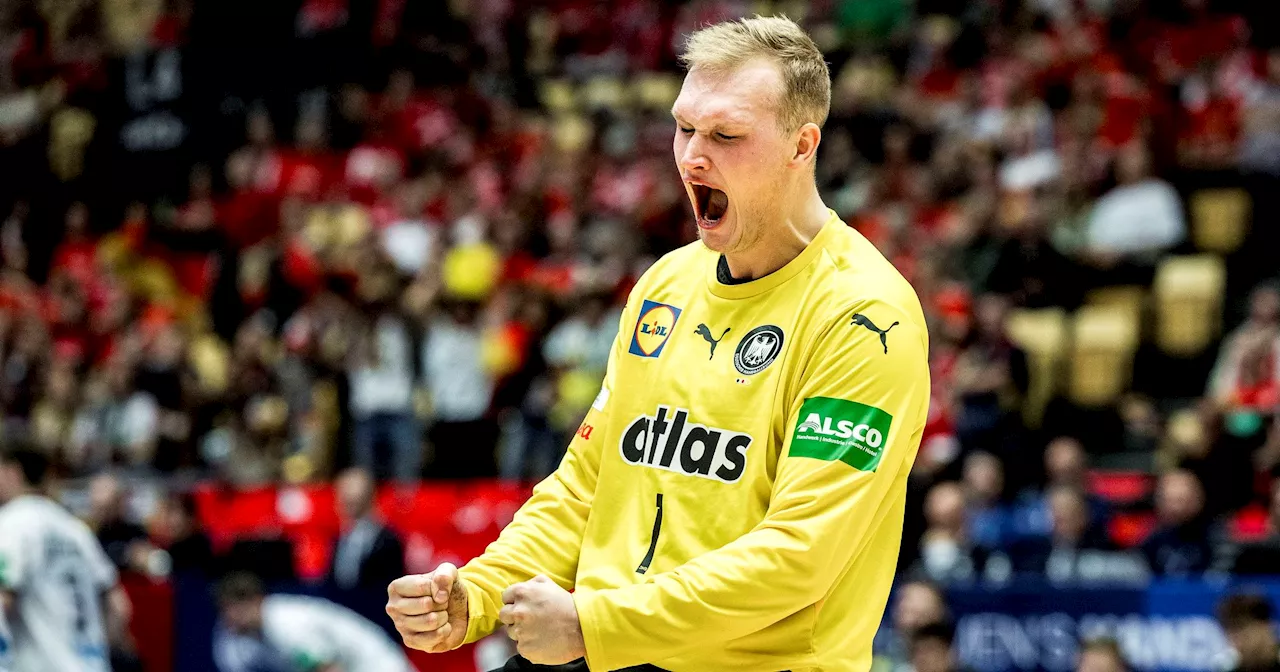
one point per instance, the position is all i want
(247, 244)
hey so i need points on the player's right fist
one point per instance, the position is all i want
(429, 610)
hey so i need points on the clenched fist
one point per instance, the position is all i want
(429, 610)
(543, 619)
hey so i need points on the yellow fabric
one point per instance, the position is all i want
(766, 559)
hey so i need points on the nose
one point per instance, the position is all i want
(693, 159)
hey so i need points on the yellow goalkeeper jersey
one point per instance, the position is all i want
(734, 499)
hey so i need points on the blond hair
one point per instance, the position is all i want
(806, 94)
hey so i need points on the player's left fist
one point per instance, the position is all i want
(543, 620)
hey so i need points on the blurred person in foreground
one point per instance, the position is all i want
(735, 496)
(56, 584)
(292, 632)
(1246, 619)
(1101, 655)
(368, 554)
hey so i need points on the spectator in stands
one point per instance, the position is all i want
(989, 520)
(367, 555)
(1025, 265)
(1244, 387)
(1101, 655)
(990, 377)
(1141, 217)
(1247, 371)
(1075, 551)
(1066, 465)
(22, 366)
(1246, 618)
(946, 551)
(931, 649)
(462, 434)
(1180, 545)
(126, 420)
(382, 387)
(1259, 557)
(163, 376)
(1260, 141)
(177, 530)
(576, 351)
(916, 604)
(125, 542)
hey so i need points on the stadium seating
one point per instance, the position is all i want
(1219, 219)
(1189, 302)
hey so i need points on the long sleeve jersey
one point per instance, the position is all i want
(735, 496)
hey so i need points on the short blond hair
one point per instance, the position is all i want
(806, 95)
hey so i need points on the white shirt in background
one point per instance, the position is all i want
(387, 386)
(57, 573)
(311, 632)
(1142, 217)
(409, 243)
(461, 388)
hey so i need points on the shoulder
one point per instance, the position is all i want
(856, 287)
(674, 267)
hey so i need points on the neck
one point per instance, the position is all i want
(783, 241)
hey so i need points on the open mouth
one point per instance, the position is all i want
(711, 203)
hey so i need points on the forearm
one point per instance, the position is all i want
(718, 597)
(544, 538)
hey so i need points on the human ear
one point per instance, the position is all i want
(807, 140)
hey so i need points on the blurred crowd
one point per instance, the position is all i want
(259, 242)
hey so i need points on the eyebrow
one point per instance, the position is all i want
(715, 126)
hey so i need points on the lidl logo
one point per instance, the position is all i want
(657, 321)
(836, 429)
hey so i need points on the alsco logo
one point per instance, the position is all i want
(668, 441)
(653, 328)
(838, 429)
(843, 429)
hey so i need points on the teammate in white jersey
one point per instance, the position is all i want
(314, 635)
(56, 584)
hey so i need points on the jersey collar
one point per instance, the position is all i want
(761, 285)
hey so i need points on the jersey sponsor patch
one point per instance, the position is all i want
(668, 440)
(838, 429)
(653, 328)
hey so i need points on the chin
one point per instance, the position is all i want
(719, 238)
